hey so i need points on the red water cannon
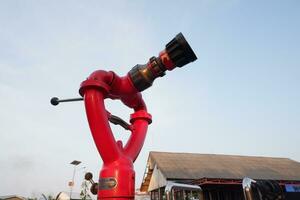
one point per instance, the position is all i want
(117, 176)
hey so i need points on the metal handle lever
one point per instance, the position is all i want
(55, 101)
(112, 118)
(118, 121)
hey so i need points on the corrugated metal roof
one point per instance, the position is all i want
(197, 166)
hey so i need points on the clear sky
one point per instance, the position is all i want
(240, 97)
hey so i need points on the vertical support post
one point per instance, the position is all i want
(72, 184)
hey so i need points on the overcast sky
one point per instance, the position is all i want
(240, 97)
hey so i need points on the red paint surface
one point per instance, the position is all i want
(167, 62)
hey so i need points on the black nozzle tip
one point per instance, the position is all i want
(179, 51)
(54, 101)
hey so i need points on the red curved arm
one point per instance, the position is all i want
(137, 138)
(99, 125)
(95, 89)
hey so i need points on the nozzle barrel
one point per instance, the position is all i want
(177, 53)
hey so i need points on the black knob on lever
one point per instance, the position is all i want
(55, 101)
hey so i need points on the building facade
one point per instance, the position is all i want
(219, 176)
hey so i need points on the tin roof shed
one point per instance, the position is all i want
(164, 166)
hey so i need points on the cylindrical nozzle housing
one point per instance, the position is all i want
(143, 76)
(176, 54)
